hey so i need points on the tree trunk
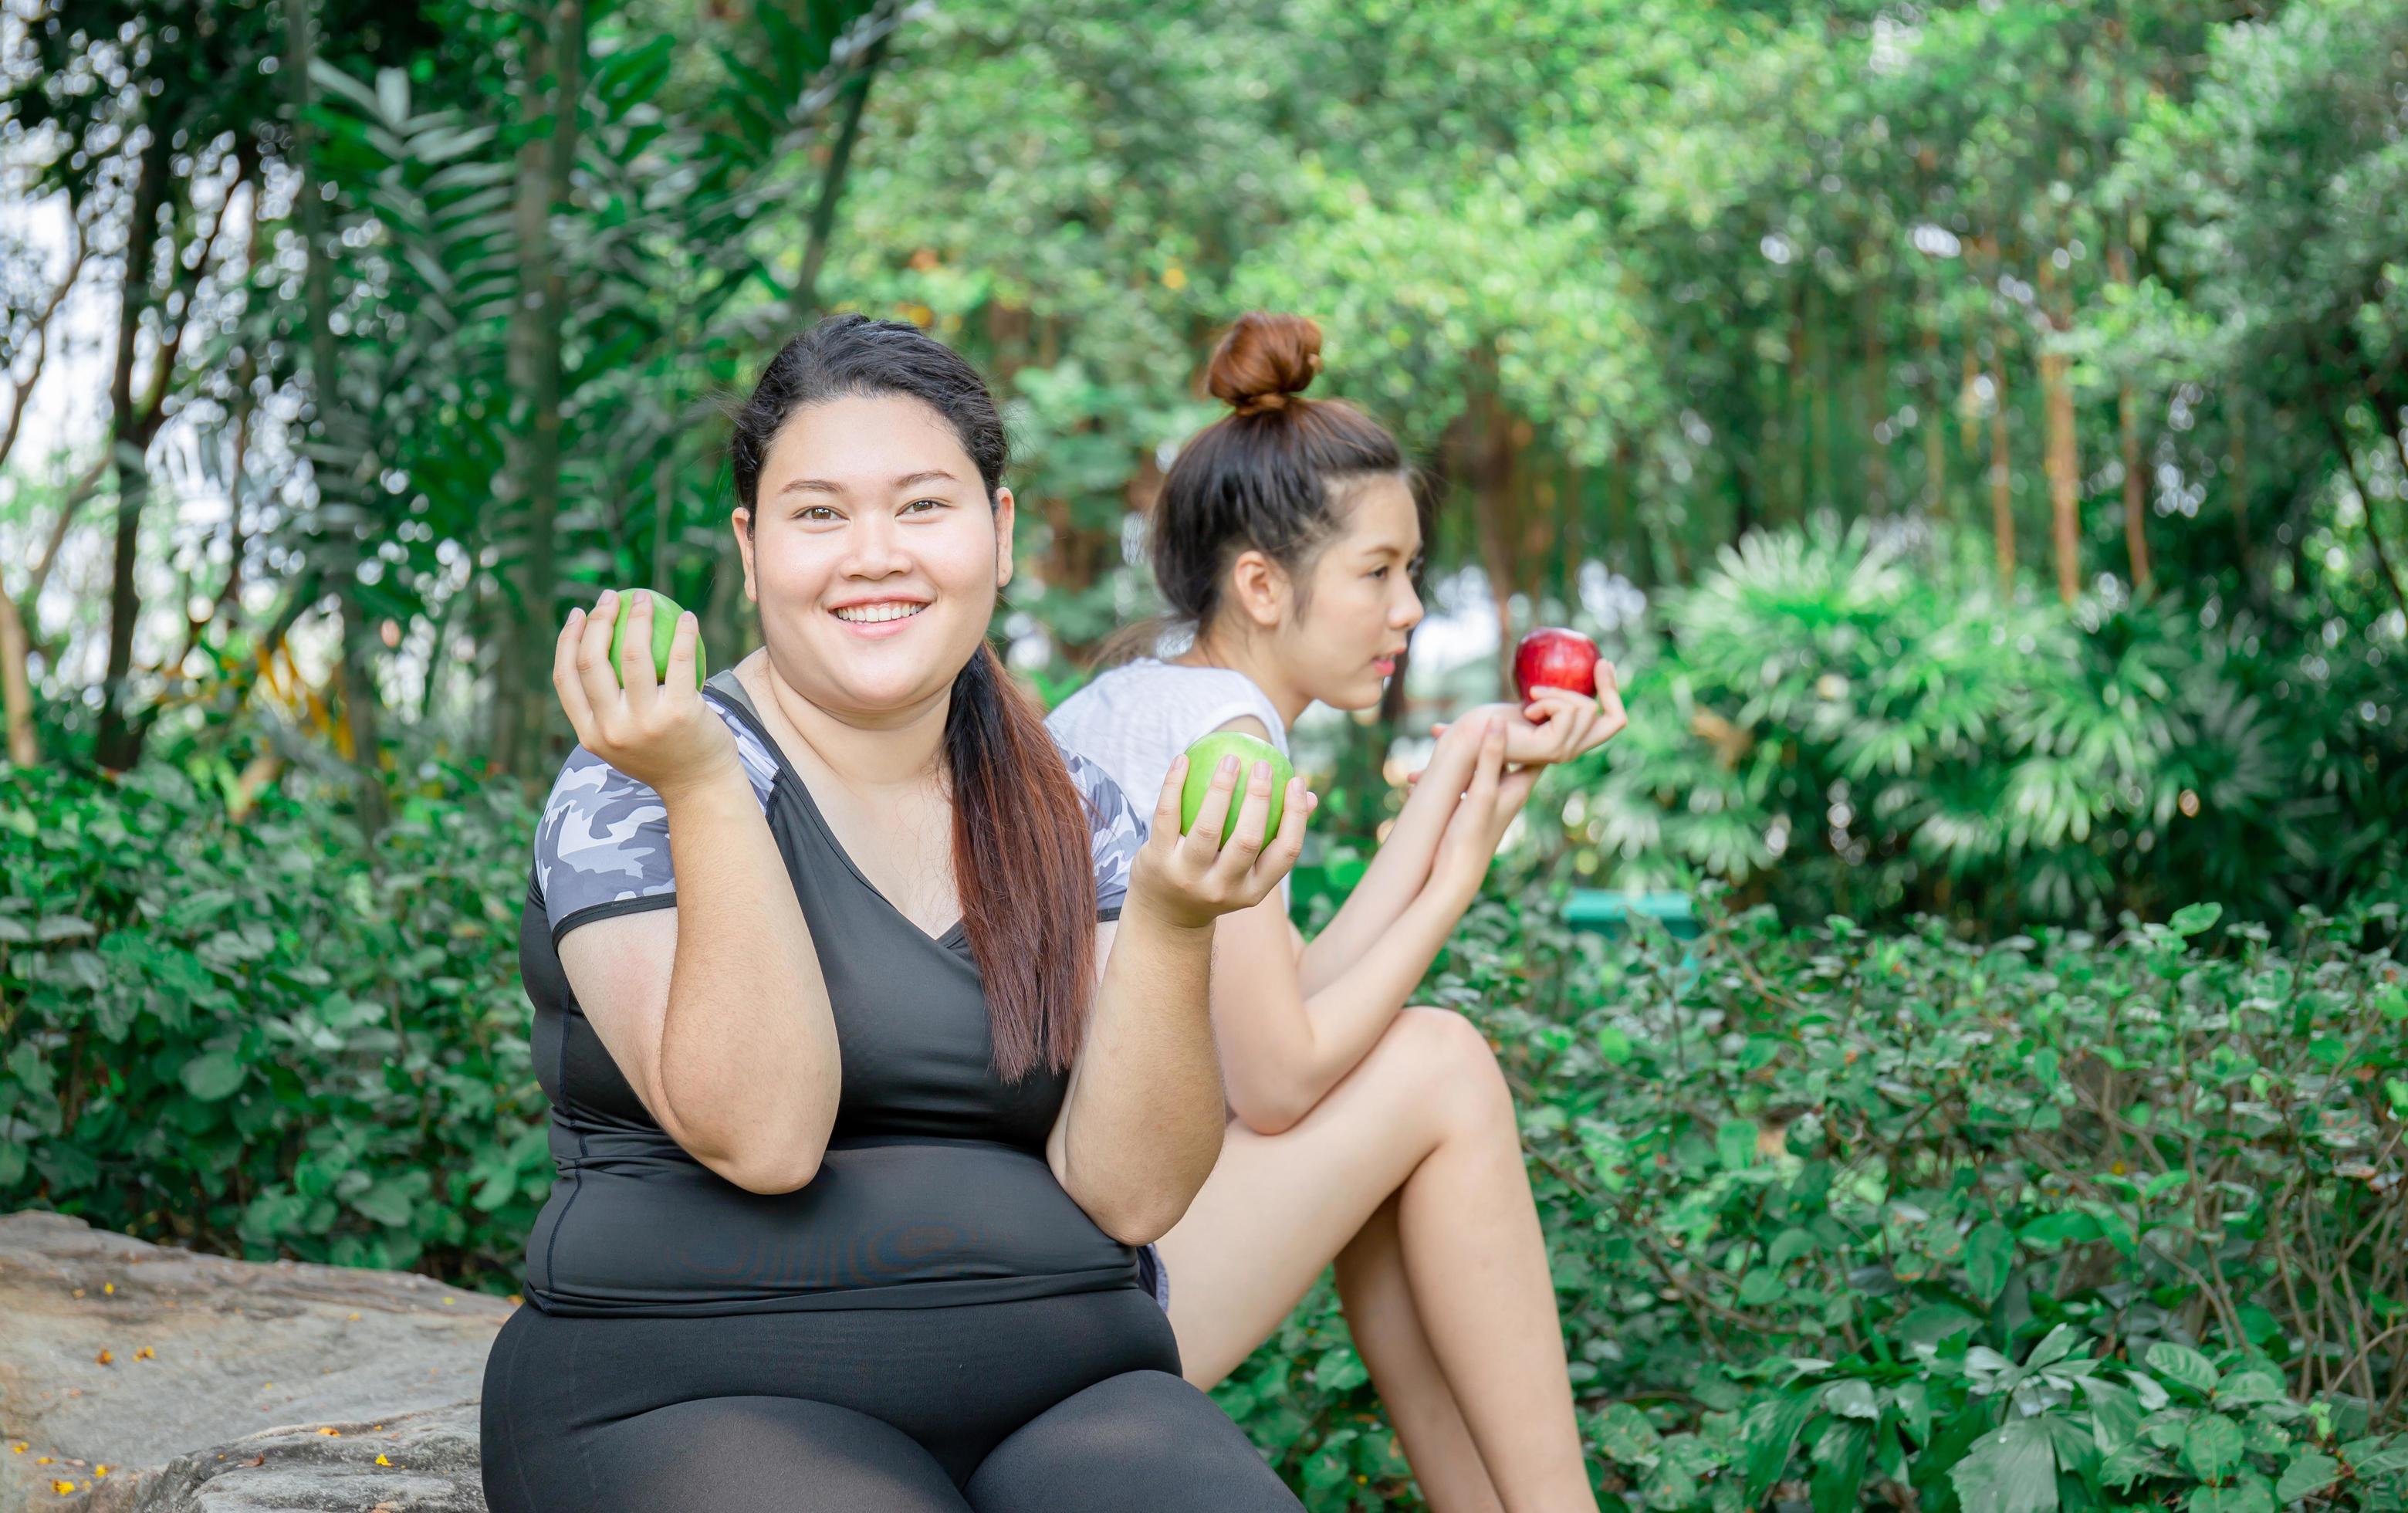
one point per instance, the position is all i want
(1935, 440)
(1876, 400)
(2237, 469)
(832, 180)
(2334, 428)
(1823, 489)
(2136, 536)
(118, 743)
(2127, 417)
(2059, 461)
(2003, 483)
(16, 687)
(555, 83)
(339, 456)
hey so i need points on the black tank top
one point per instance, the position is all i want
(934, 1189)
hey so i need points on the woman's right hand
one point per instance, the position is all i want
(1483, 815)
(1193, 879)
(657, 731)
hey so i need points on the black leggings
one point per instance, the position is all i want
(1063, 1405)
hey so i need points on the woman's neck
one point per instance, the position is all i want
(1249, 656)
(901, 748)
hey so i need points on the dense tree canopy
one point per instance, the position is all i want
(416, 315)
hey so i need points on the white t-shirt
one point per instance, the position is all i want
(1134, 720)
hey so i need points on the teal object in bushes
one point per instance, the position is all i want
(1608, 912)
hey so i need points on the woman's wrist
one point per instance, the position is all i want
(722, 780)
(1149, 910)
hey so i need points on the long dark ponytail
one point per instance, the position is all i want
(1021, 857)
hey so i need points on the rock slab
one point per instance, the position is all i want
(208, 1384)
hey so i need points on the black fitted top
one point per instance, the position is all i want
(934, 1189)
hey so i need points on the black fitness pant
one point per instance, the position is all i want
(1060, 1405)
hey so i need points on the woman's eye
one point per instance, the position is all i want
(1380, 572)
(932, 504)
(817, 513)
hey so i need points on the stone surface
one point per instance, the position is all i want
(243, 1360)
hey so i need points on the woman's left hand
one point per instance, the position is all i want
(1557, 724)
(1193, 879)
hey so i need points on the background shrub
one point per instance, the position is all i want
(1838, 1216)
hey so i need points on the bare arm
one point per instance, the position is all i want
(1282, 1047)
(716, 1011)
(1555, 726)
(1141, 1123)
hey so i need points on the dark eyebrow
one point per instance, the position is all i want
(821, 486)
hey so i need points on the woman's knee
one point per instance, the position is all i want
(1140, 1439)
(1450, 1066)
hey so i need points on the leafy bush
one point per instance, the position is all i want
(1839, 1217)
(1859, 723)
(265, 1038)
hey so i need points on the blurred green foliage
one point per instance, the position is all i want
(1858, 721)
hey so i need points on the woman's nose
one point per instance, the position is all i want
(870, 545)
(1409, 613)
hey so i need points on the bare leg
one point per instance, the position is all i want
(1424, 1116)
(1388, 1334)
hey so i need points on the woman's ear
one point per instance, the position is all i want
(1003, 519)
(739, 521)
(1259, 588)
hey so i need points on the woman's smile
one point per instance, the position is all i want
(877, 618)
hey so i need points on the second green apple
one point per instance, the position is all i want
(1204, 759)
(665, 623)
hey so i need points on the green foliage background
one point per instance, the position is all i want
(1837, 1216)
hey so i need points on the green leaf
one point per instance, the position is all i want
(2212, 1446)
(2012, 1469)
(1789, 1246)
(2250, 1384)
(212, 1075)
(1735, 1144)
(2309, 1471)
(2114, 1416)
(1839, 1471)
(1989, 1259)
(2181, 1364)
(385, 1204)
(1625, 1435)
(1851, 1399)
(1614, 1046)
(2196, 918)
(2242, 1494)
(1766, 1436)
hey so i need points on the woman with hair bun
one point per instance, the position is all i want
(1363, 1132)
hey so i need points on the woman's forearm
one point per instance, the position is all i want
(748, 1063)
(1140, 1126)
(1350, 1013)
(1393, 881)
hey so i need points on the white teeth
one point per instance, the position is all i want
(867, 614)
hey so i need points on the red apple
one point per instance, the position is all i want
(1554, 658)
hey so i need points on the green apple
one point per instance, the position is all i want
(665, 622)
(1204, 758)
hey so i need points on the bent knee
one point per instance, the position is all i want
(1451, 1064)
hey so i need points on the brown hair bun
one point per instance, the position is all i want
(1262, 360)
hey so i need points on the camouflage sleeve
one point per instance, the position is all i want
(602, 847)
(1115, 830)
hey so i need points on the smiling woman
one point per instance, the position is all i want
(859, 1159)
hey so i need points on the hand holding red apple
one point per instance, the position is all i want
(1571, 700)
